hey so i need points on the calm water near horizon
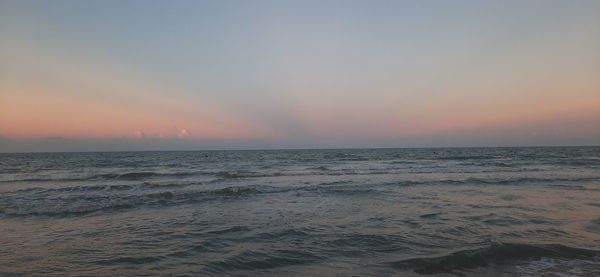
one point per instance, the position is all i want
(371, 212)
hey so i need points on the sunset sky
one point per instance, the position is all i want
(161, 75)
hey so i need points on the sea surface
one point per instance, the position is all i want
(360, 212)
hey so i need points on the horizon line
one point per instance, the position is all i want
(305, 149)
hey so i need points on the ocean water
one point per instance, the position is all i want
(367, 212)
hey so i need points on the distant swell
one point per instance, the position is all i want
(244, 174)
(78, 200)
(498, 181)
(494, 254)
(109, 176)
(107, 188)
(315, 171)
(84, 200)
(86, 203)
(142, 175)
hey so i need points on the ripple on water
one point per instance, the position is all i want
(261, 260)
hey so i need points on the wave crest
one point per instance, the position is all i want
(493, 254)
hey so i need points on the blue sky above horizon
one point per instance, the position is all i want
(155, 75)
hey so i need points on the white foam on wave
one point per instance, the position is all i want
(560, 267)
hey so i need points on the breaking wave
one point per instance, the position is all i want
(493, 254)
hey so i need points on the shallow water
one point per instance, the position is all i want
(457, 211)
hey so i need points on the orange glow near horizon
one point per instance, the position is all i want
(40, 113)
(34, 113)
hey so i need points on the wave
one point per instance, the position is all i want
(529, 180)
(149, 174)
(493, 254)
(359, 188)
(136, 260)
(141, 175)
(464, 157)
(320, 168)
(83, 204)
(244, 174)
(108, 176)
(499, 181)
(313, 171)
(77, 201)
(106, 188)
(86, 203)
(237, 190)
(348, 172)
(553, 182)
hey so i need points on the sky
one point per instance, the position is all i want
(185, 75)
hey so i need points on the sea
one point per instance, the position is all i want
(530, 211)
